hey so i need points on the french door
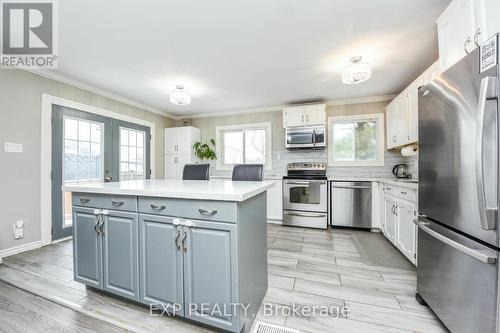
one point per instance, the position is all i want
(88, 148)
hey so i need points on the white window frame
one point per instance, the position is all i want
(144, 155)
(219, 165)
(379, 118)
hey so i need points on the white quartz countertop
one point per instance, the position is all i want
(216, 189)
(389, 181)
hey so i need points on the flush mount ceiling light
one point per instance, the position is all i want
(356, 72)
(179, 96)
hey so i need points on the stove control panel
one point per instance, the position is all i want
(306, 166)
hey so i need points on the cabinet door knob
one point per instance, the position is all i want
(465, 45)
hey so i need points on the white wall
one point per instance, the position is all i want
(20, 121)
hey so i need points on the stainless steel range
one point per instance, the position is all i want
(305, 195)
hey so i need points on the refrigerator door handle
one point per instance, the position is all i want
(476, 254)
(488, 91)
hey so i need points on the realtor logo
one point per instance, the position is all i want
(28, 34)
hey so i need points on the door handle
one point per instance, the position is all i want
(207, 212)
(184, 235)
(352, 187)
(304, 215)
(476, 36)
(97, 222)
(177, 237)
(158, 207)
(108, 179)
(465, 45)
(101, 227)
(488, 91)
(482, 256)
(117, 203)
(84, 200)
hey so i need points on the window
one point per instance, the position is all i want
(132, 154)
(244, 144)
(356, 140)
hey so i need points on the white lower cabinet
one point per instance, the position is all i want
(389, 225)
(398, 226)
(275, 201)
(406, 230)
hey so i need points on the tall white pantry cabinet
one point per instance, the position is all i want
(179, 143)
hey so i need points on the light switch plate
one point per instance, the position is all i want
(13, 147)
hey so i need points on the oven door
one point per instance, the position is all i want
(305, 195)
(302, 137)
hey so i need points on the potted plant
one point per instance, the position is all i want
(203, 150)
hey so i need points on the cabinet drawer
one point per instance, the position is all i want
(105, 201)
(407, 194)
(225, 211)
(392, 190)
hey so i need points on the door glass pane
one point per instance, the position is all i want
(233, 147)
(132, 154)
(82, 157)
(255, 146)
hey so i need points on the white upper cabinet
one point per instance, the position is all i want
(487, 17)
(171, 140)
(392, 115)
(402, 120)
(306, 115)
(179, 143)
(463, 26)
(316, 114)
(402, 112)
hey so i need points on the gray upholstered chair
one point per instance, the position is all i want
(248, 172)
(196, 171)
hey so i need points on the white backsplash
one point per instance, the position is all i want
(282, 158)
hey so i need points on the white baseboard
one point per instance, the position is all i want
(19, 249)
(62, 240)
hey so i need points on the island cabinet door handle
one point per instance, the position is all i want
(207, 212)
(101, 227)
(158, 207)
(116, 203)
(96, 225)
(177, 237)
(184, 235)
(84, 200)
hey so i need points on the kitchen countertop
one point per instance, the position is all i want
(216, 189)
(389, 181)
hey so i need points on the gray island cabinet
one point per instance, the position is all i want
(197, 249)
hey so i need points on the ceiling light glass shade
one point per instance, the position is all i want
(356, 72)
(179, 96)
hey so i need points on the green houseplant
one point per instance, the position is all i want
(203, 150)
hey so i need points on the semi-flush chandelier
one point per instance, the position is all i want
(179, 96)
(356, 72)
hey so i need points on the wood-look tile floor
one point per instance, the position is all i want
(307, 268)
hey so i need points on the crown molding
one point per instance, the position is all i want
(336, 102)
(101, 92)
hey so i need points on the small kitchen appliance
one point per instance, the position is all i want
(401, 171)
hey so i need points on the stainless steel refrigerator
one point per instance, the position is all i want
(458, 238)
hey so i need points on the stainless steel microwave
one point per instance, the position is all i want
(306, 137)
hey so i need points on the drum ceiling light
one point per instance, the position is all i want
(179, 96)
(356, 72)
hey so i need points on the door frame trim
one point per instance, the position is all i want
(46, 153)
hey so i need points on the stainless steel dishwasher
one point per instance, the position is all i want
(351, 204)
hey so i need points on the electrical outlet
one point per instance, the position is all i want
(18, 229)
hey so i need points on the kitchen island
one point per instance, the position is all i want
(195, 249)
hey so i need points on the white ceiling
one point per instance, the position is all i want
(234, 55)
